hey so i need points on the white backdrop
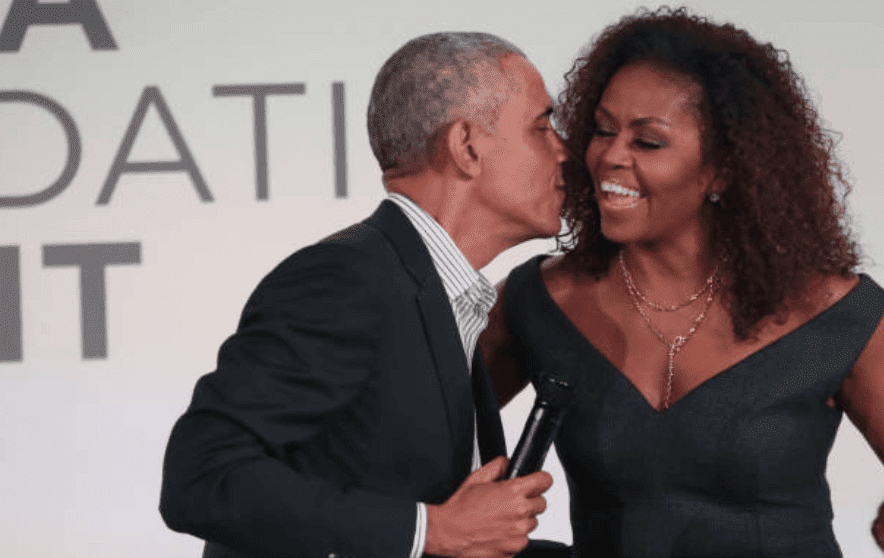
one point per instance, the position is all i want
(83, 429)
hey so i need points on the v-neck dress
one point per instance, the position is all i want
(735, 468)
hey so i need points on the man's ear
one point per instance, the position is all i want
(463, 144)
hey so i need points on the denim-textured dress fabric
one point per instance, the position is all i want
(735, 468)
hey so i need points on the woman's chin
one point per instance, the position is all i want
(619, 233)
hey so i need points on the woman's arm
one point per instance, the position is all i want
(862, 397)
(496, 344)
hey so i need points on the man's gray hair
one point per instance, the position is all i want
(431, 81)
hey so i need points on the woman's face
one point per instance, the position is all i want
(646, 159)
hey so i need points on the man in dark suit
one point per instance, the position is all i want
(342, 417)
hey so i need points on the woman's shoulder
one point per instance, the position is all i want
(824, 291)
(565, 281)
(555, 275)
(862, 391)
(548, 272)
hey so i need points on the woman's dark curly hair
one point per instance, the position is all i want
(781, 218)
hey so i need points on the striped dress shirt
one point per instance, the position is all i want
(471, 296)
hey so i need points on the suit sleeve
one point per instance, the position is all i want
(306, 346)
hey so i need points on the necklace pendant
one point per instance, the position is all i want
(675, 345)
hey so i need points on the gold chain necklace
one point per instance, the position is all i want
(679, 341)
(659, 307)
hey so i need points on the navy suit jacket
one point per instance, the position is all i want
(342, 399)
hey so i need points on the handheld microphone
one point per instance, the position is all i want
(554, 396)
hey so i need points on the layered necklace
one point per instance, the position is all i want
(675, 344)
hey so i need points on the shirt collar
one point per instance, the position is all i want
(455, 271)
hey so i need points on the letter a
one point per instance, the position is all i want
(24, 13)
(121, 164)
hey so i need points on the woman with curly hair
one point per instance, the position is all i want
(707, 296)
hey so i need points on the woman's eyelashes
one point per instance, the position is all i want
(642, 142)
(646, 143)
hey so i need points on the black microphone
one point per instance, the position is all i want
(555, 395)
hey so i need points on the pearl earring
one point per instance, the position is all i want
(714, 197)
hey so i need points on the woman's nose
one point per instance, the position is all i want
(615, 152)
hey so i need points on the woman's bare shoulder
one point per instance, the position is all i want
(824, 291)
(564, 280)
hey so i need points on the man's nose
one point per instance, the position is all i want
(560, 150)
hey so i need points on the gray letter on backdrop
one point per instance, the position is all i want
(24, 13)
(74, 148)
(152, 95)
(340, 131)
(259, 95)
(10, 305)
(92, 259)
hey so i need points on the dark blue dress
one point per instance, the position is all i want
(735, 468)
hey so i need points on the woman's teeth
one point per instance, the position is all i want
(610, 187)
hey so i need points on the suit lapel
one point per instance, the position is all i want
(491, 439)
(439, 326)
(451, 366)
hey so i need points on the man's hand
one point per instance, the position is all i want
(487, 518)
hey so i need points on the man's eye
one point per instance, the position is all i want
(603, 133)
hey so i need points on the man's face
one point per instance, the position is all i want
(521, 178)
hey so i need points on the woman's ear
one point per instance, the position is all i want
(715, 187)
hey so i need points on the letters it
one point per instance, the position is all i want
(92, 259)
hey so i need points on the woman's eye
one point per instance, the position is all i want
(648, 144)
(603, 133)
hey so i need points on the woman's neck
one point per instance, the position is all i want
(669, 275)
